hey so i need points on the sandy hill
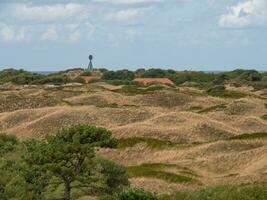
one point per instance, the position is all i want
(179, 131)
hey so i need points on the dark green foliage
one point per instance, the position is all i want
(140, 72)
(68, 155)
(213, 108)
(249, 136)
(118, 75)
(264, 117)
(53, 79)
(219, 91)
(220, 79)
(155, 73)
(122, 82)
(86, 73)
(78, 79)
(157, 171)
(7, 143)
(18, 76)
(135, 194)
(216, 89)
(22, 77)
(102, 70)
(116, 177)
(198, 77)
(251, 192)
(259, 85)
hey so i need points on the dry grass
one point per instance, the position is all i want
(174, 127)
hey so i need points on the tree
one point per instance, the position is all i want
(116, 177)
(155, 73)
(69, 154)
(118, 75)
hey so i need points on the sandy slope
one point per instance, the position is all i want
(165, 115)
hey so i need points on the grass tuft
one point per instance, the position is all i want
(248, 192)
(264, 117)
(213, 108)
(228, 94)
(158, 171)
(150, 142)
(250, 136)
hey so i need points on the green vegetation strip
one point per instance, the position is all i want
(264, 117)
(150, 142)
(228, 94)
(249, 136)
(248, 192)
(213, 108)
(156, 170)
(132, 89)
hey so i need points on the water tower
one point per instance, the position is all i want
(90, 66)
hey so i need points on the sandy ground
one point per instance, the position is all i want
(164, 115)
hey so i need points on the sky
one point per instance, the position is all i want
(211, 35)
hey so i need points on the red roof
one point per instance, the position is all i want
(89, 79)
(147, 81)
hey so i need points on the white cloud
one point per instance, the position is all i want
(125, 15)
(50, 34)
(48, 12)
(245, 14)
(128, 2)
(75, 36)
(10, 33)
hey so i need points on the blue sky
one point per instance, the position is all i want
(45, 35)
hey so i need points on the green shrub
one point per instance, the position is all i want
(213, 108)
(122, 82)
(86, 73)
(7, 143)
(155, 73)
(118, 75)
(157, 171)
(264, 117)
(249, 136)
(19, 76)
(259, 85)
(135, 194)
(250, 192)
(78, 80)
(219, 91)
(53, 79)
(216, 89)
(116, 177)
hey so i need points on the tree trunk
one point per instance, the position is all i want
(67, 190)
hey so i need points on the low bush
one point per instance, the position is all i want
(135, 194)
(249, 136)
(249, 192)
(150, 142)
(157, 171)
(118, 75)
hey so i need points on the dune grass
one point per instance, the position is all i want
(213, 108)
(228, 94)
(158, 171)
(264, 117)
(133, 89)
(249, 136)
(150, 142)
(248, 192)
